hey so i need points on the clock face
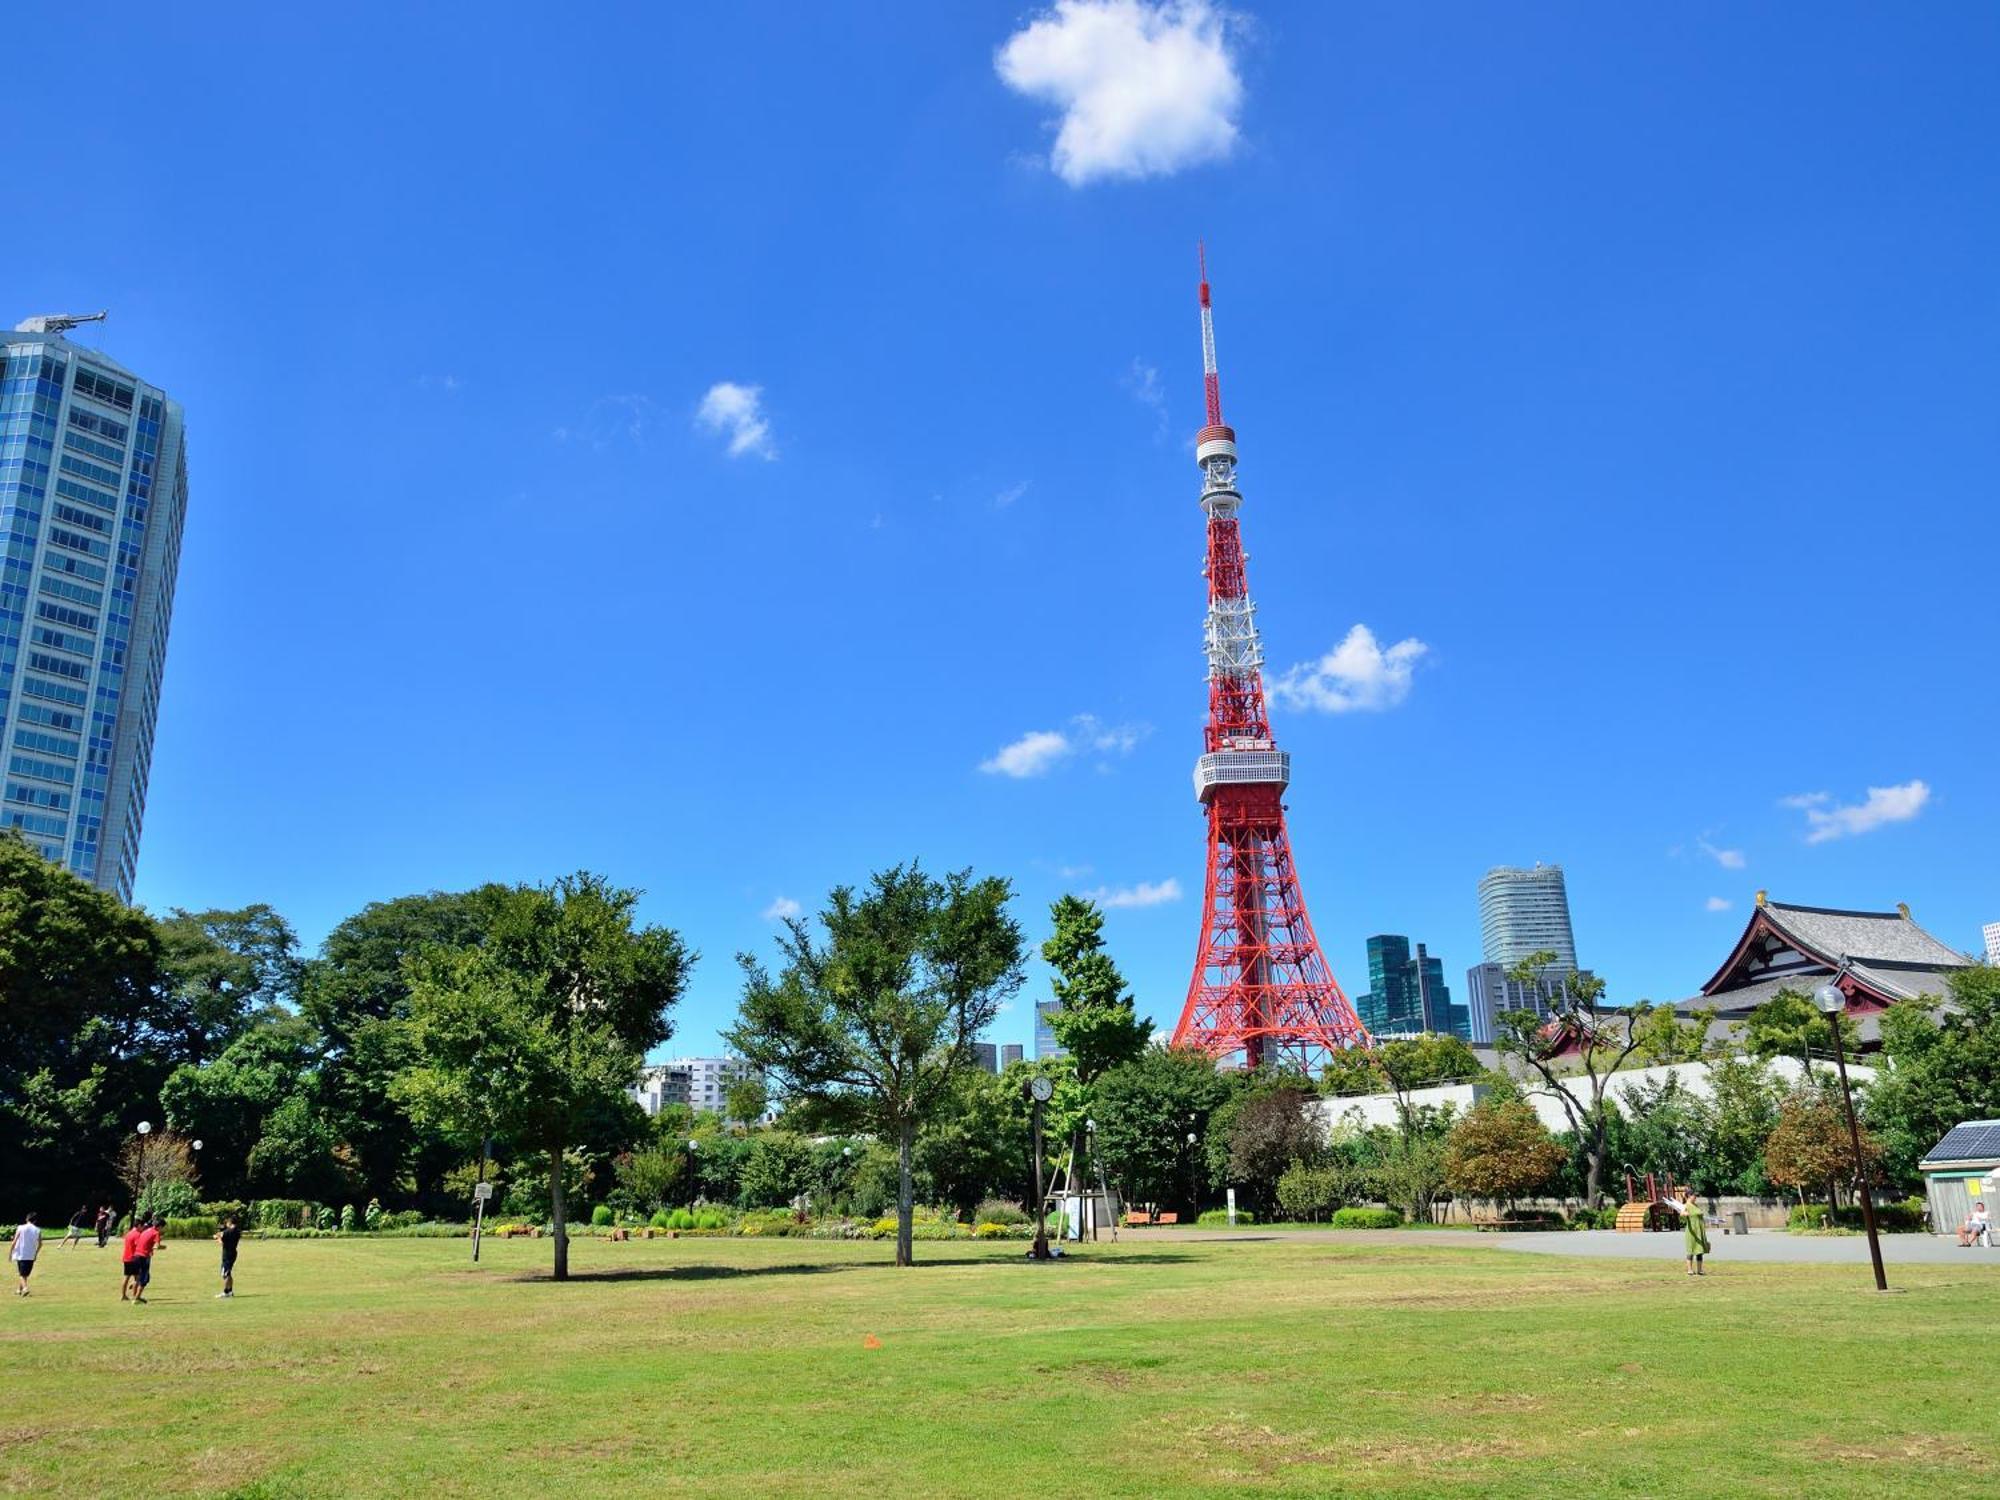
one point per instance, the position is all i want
(1042, 1089)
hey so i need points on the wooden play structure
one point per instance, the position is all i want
(1647, 1211)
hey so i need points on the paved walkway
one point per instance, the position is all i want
(1758, 1245)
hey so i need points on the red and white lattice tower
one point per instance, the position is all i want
(1261, 986)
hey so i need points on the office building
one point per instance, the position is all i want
(1991, 932)
(1406, 992)
(1045, 1034)
(701, 1083)
(986, 1057)
(1489, 993)
(1523, 912)
(93, 496)
(1010, 1053)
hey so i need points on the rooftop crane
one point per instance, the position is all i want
(58, 322)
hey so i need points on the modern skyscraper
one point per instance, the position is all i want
(1489, 993)
(1045, 1034)
(986, 1057)
(1407, 993)
(1991, 932)
(1523, 912)
(1010, 1053)
(93, 496)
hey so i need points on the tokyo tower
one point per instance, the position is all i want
(1261, 986)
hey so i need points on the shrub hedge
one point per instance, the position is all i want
(1367, 1218)
(1218, 1218)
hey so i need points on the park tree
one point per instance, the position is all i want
(1094, 1022)
(79, 981)
(1938, 1066)
(1500, 1151)
(1810, 1146)
(1740, 1114)
(219, 970)
(879, 1019)
(227, 1103)
(746, 1099)
(1408, 1170)
(1665, 1038)
(1790, 1025)
(1152, 1116)
(538, 1034)
(1586, 1036)
(1401, 1066)
(777, 1169)
(978, 1142)
(1277, 1124)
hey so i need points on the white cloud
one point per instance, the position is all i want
(1031, 755)
(737, 411)
(1716, 903)
(439, 382)
(782, 909)
(1039, 751)
(611, 418)
(1355, 676)
(1012, 493)
(1826, 819)
(1145, 893)
(1729, 859)
(1145, 88)
(1143, 381)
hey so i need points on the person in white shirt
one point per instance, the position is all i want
(27, 1245)
(1977, 1229)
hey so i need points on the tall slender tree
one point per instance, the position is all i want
(1094, 1021)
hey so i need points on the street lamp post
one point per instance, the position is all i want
(1090, 1153)
(1832, 1000)
(693, 1146)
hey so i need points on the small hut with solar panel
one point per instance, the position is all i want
(1961, 1169)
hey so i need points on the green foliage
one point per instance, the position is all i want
(348, 1218)
(1368, 1218)
(1095, 1022)
(1401, 1064)
(300, 1152)
(1905, 1216)
(602, 1215)
(1664, 1037)
(1500, 1150)
(539, 1034)
(1409, 1171)
(218, 968)
(879, 1020)
(746, 1099)
(662, 1220)
(1936, 1070)
(169, 1198)
(191, 1227)
(1789, 1024)
(283, 1213)
(1145, 1110)
(680, 1218)
(1308, 1193)
(1810, 1148)
(1001, 1211)
(1218, 1218)
(651, 1176)
(777, 1170)
(1275, 1126)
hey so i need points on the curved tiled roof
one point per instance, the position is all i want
(1868, 937)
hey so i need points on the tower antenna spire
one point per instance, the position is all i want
(1211, 382)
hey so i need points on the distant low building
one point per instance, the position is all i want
(1489, 993)
(1887, 957)
(986, 1057)
(1960, 1170)
(700, 1083)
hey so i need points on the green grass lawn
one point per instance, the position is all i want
(795, 1367)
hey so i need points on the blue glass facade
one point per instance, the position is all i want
(93, 496)
(1406, 992)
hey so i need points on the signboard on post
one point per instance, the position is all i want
(482, 1192)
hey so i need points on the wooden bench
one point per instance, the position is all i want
(1138, 1218)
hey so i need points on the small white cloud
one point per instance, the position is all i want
(439, 382)
(1729, 859)
(1716, 903)
(1033, 754)
(1143, 382)
(1039, 751)
(1145, 88)
(1072, 872)
(1826, 819)
(1355, 676)
(737, 411)
(1012, 493)
(609, 419)
(1145, 893)
(782, 910)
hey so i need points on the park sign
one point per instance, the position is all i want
(481, 1192)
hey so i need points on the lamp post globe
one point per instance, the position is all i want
(145, 1127)
(1830, 998)
(196, 1145)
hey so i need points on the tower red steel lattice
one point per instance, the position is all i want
(1261, 987)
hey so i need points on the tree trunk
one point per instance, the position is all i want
(906, 1191)
(561, 1211)
(1594, 1162)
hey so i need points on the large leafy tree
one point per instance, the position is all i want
(227, 1103)
(1276, 1126)
(1401, 1066)
(220, 969)
(1500, 1150)
(1790, 1025)
(1152, 1116)
(1094, 1022)
(1583, 1046)
(540, 1032)
(1811, 1147)
(878, 1020)
(1938, 1067)
(356, 994)
(79, 980)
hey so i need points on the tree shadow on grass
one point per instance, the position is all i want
(695, 1272)
(1110, 1257)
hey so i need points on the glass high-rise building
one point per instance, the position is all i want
(93, 496)
(1407, 992)
(1045, 1031)
(1522, 912)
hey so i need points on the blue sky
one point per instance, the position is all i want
(691, 443)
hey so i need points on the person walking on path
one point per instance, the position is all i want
(76, 1222)
(27, 1245)
(1696, 1227)
(228, 1239)
(106, 1222)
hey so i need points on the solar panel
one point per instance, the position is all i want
(1975, 1140)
